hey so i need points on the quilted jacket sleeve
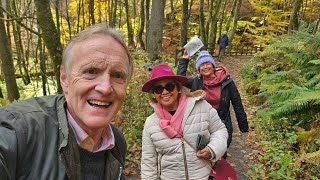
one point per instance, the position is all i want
(149, 160)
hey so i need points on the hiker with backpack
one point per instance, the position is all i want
(69, 136)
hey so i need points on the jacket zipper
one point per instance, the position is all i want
(160, 159)
(185, 161)
(119, 176)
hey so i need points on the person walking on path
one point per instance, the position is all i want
(69, 136)
(223, 42)
(219, 87)
(170, 134)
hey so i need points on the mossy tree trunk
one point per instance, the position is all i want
(184, 23)
(141, 25)
(129, 24)
(154, 42)
(7, 62)
(294, 19)
(50, 36)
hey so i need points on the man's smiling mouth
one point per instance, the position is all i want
(99, 103)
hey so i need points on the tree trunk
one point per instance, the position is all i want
(20, 54)
(134, 14)
(147, 20)
(68, 19)
(184, 23)
(19, 48)
(209, 21)
(57, 14)
(294, 19)
(213, 29)
(50, 36)
(172, 20)
(203, 36)
(154, 45)
(316, 27)
(7, 62)
(235, 21)
(78, 15)
(119, 17)
(129, 26)
(1, 94)
(83, 16)
(43, 69)
(8, 23)
(222, 18)
(91, 12)
(234, 5)
(114, 13)
(141, 25)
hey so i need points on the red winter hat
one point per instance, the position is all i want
(162, 71)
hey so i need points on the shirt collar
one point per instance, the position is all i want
(86, 142)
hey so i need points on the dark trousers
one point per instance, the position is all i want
(221, 52)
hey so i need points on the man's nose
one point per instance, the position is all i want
(104, 85)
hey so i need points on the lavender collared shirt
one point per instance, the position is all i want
(107, 142)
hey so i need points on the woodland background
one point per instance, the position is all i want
(282, 82)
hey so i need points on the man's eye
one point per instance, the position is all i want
(119, 77)
(91, 71)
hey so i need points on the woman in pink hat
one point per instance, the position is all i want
(184, 135)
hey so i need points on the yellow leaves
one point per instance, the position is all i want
(306, 138)
(313, 158)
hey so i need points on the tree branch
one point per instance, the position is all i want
(18, 20)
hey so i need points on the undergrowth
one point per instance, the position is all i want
(285, 82)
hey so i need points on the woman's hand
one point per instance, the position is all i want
(185, 54)
(204, 153)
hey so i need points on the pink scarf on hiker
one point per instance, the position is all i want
(171, 125)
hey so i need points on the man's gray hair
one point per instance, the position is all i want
(102, 29)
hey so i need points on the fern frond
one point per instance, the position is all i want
(306, 100)
(310, 70)
(313, 81)
(287, 94)
(315, 61)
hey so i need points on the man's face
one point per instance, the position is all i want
(95, 84)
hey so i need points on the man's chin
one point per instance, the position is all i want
(97, 124)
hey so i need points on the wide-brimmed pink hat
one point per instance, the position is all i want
(162, 71)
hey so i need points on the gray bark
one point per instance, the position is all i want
(7, 66)
(154, 43)
(51, 36)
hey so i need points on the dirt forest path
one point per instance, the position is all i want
(242, 152)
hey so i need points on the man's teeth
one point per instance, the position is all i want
(99, 103)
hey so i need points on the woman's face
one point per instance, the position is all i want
(166, 94)
(206, 69)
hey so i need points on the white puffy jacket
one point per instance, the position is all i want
(162, 158)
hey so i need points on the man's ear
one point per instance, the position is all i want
(63, 79)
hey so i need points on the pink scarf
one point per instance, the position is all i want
(171, 125)
(212, 87)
